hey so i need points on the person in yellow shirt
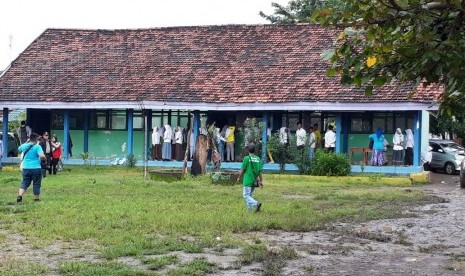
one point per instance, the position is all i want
(317, 133)
(230, 143)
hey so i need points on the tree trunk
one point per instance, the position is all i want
(200, 157)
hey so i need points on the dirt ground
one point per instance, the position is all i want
(430, 243)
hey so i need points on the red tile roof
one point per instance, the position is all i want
(211, 64)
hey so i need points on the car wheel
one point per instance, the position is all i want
(449, 168)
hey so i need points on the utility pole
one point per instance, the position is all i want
(10, 45)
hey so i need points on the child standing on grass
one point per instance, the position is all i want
(252, 167)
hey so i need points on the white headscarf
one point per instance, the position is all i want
(283, 139)
(409, 138)
(397, 140)
(155, 136)
(427, 155)
(168, 134)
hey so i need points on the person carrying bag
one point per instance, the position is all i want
(251, 178)
(31, 167)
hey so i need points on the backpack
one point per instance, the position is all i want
(370, 145)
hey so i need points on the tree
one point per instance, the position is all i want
(299, 10)
(419, 40)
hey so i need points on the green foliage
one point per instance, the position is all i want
(301, 157)
(19, 266)
(274, 261)
(197, 267)
(453, 122)
(299, 10)
(106, 268)
(254, 253)
(409, 41)
(253, 130)
(161, 262)
(85, 157)
(330, 164)
(131, 160)
(280, 152)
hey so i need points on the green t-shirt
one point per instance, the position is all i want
(251, 171)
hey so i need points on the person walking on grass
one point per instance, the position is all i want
(31, 167)
(251, 168)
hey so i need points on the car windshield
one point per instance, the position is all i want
(452, 147)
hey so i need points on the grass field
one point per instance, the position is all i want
(122, 214)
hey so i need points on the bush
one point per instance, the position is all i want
(301, 158)
(281, 153)
(330, 164)
(131, 160)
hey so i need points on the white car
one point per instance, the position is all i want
(447, 155)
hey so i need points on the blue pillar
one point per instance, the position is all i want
(5, 133)
(196, 126)
(338, 133)
(264, 137)
(345, 131)
(148, 128)
(86, 130)
(416, 138)
(130, 130)
(66, 134)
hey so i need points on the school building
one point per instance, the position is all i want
(106, 89)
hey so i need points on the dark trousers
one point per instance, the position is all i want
(46, 165)
(54, 165)
(34, 177)
(408, 161)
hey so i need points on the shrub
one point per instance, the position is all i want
(85, 157)
(280, 152)
(330, 164)
(131, 160)
(301, 158)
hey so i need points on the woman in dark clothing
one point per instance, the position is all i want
(47, 148)
(56, 153)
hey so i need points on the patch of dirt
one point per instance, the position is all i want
(430, 243)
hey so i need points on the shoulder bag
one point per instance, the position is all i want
(256, 182)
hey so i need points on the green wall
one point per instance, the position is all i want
(108, 144)
(362, 140)
(104, 143)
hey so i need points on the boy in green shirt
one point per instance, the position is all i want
(252, 167)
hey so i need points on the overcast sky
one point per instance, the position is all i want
(24, 20)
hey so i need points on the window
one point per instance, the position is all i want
(400, 121)
(118, 119)
(290, 120)
(356, 124)
(379, 122)
(57, 120)
(410, 123)
(98, 119)
(184, 119)
(389, 123)
(360, 124)
(138, 120)
(75, 120)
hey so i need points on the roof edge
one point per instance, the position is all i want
(204, 106)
